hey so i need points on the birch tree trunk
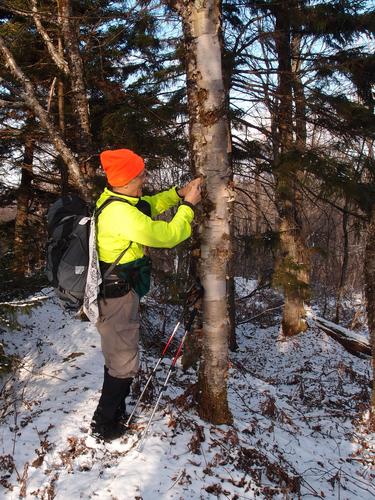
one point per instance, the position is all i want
(209, 144)
(292, 269)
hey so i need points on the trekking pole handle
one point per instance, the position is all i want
(191, 318)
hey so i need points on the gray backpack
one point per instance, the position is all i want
(68, 225)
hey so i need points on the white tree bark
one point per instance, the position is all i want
(209, 147)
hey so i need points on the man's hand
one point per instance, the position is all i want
(193, 194)
(185, 189)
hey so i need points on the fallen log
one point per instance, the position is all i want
(353, 342)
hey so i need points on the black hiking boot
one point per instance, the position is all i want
(104, 429)
(107, 422)
(120, 415)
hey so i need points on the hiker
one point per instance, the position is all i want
(127, 224)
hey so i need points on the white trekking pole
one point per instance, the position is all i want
(173, 365)
(153, 373)
(196, 296)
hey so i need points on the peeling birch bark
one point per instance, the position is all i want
(209, 151)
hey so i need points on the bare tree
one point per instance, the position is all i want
(369, 268)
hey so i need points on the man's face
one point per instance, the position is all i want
(137, 183)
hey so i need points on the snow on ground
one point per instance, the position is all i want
(298, 431)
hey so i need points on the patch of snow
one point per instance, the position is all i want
(299, 410)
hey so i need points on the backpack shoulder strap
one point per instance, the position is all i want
(109, 200)
(97, 212)
(114, 264)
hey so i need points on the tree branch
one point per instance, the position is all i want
(12, 104)
(29, 95)
(56, 57)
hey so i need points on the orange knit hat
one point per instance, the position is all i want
(121, 166)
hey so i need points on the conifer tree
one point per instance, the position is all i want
(287, 33)
(91, 58)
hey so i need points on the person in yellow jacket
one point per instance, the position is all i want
(124, 228)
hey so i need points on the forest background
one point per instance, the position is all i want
(270, 101)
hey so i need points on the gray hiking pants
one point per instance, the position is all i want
(119, 331)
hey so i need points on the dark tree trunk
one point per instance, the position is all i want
(21, 231)
(369, 267)
(345, 260)
(227, 68)
(292, 266)
(70, 32)
(298, 91)
(231, 294)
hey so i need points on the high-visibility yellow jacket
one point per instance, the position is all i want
(121, 223)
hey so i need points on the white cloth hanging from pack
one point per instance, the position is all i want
(94, 278)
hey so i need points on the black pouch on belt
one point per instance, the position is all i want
(114, 287)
